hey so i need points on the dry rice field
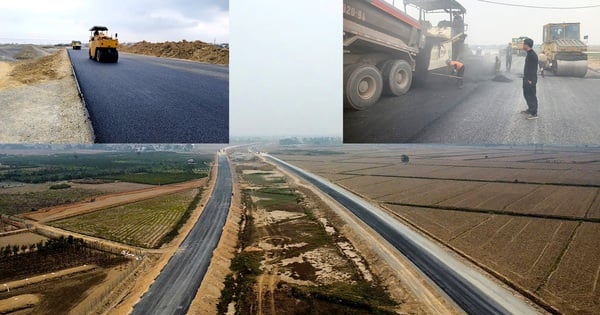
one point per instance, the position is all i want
(528, 215)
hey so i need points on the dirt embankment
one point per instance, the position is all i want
(196, 51)
(40, 100)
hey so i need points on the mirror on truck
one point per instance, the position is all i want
(116, 35)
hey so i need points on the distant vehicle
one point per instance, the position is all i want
(103, 48)
(517, 45)
(566, 53)
(76, 45)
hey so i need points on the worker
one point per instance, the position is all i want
(542, 60)
(530, 80)
(458, 70)
(509, 53)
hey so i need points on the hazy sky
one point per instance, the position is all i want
(285, 71)
(496, 24)
(42, 21)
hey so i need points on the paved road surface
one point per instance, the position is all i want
(472, 291)
(144, 99)
(174, 289)
(483, 112)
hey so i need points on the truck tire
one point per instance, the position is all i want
(362, 86)
(99, 55)
(397, 77)
(422, 67)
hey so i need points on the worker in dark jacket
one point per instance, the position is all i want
(530, 80)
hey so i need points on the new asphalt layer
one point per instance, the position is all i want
(468, 288)
(175, 287)
(144, 99)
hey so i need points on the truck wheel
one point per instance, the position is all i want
(397, 77)
(98, 55)
(362, 86)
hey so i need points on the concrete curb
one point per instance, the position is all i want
(87, 113)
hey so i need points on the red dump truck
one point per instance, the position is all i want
(384, 47)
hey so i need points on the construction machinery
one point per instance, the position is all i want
(517, 45)
(76, 45)
(103, 48)
(565, 53)
(384, 46)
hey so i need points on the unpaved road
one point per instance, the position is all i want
(483, 112)
(40, 102)
(110, 200)
(174, 289)
(471, 290)
(143, 99)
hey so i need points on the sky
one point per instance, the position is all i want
(49, 22)
(490, 24)
(285, 68)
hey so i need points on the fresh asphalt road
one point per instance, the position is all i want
(483, 112)
(144, 99)
(469, 289)
(175, 287)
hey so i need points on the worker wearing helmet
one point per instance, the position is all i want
(458, 69)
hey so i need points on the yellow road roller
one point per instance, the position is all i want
(76, 45)
(566, 54)
(103, 48)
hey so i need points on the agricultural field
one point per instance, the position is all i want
(159, 167)
(530, 216)
(294, 261)
(25, 238)
(148, 223)
(12, 203)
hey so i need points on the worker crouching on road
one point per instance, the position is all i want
(530, 80)
(458, 69)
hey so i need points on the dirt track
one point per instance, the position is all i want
(110, 200)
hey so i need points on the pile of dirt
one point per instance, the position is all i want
(594, 64)
(29, 52)
(501, 78)
(196, 51)
(52, 67)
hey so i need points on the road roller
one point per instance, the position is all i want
(103, 48)
(566, 54)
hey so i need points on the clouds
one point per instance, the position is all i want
(134, 20)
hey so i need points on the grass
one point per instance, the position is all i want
(155, 178)
(261, 179)
(12, 204)
(60, 186)
(278, 199)
(144, 223)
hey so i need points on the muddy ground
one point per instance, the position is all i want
(40, 102)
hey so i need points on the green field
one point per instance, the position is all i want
(261, 179)
(146, 167)
(155, 178)
(147, 223)
(11, 204)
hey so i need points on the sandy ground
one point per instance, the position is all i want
(195, 51)
(40, 102)
(110, 200)
(132, 295)
(594, 64)
(25, 238)
(19, 302)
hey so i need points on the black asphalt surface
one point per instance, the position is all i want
(144, 99)
(467, 296)
(175, 287)
(484, 111)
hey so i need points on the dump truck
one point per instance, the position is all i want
(565, 53)
(103, 48)
(517, 45)
(384, 47)
(76, 45)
